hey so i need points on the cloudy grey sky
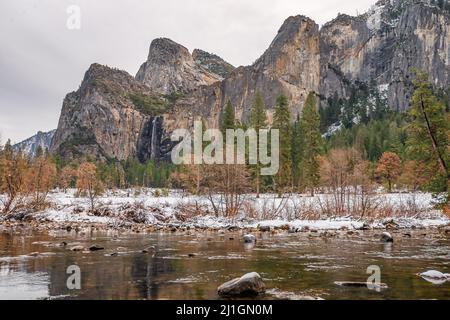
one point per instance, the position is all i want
(41, 59)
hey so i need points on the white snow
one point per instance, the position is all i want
(335, 127)
(291, 211)
(374, 20)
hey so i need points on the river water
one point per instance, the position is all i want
(192, 265)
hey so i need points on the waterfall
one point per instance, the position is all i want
(154, 140)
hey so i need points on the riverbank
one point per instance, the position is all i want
(149, 210)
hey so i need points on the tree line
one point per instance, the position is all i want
(408, 151)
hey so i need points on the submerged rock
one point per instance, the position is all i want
(77, 248)
(95, 247)
(386, 237)
(286, 295)
(407, 235)
(355, 284)
(249, 238)
(250, 284)
(264, 228)
(34, 254)
(150, 249)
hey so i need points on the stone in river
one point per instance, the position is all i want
(435, 277)
(249, 238)
(354, 284)
(95, 247)
(386, 237)
(248, 285)
(34, 254)
(408, 235)
(264, 228)
(149, 249)
(77, 248)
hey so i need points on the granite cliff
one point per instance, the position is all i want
(116, 116)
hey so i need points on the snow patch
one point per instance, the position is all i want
(165, 211)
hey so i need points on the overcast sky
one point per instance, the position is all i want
(41, 60)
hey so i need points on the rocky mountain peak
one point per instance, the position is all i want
(293, 29)
(103, 77)
(116, 116)
(212, 63)
(31, 145)
(165, 51)
(108, 117)
(381, 48)
(171, 68)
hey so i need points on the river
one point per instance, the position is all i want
(191, 265)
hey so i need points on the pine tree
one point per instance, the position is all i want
(8, 149)
(258, 120)
(282, 122)
(297, 152)
(228, 118)
(39, 152)
(428, 132)
(312, 148)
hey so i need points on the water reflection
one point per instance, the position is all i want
(191, 266)
(21, 285)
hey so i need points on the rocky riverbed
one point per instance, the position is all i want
(192, 263)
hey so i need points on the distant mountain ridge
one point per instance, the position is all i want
(30, 146)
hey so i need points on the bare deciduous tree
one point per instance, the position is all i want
(88, 182)
(12, 172)
(67, 177)
(40, 178)
(346, 176)
(226, 186)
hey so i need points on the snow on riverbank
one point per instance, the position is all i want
(153, 207)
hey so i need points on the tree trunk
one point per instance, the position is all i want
(197, 191)
(257, 184)
(442, 163)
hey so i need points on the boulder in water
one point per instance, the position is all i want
(386, 237)
(435, 277)
(249, 238)
(250, 284)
